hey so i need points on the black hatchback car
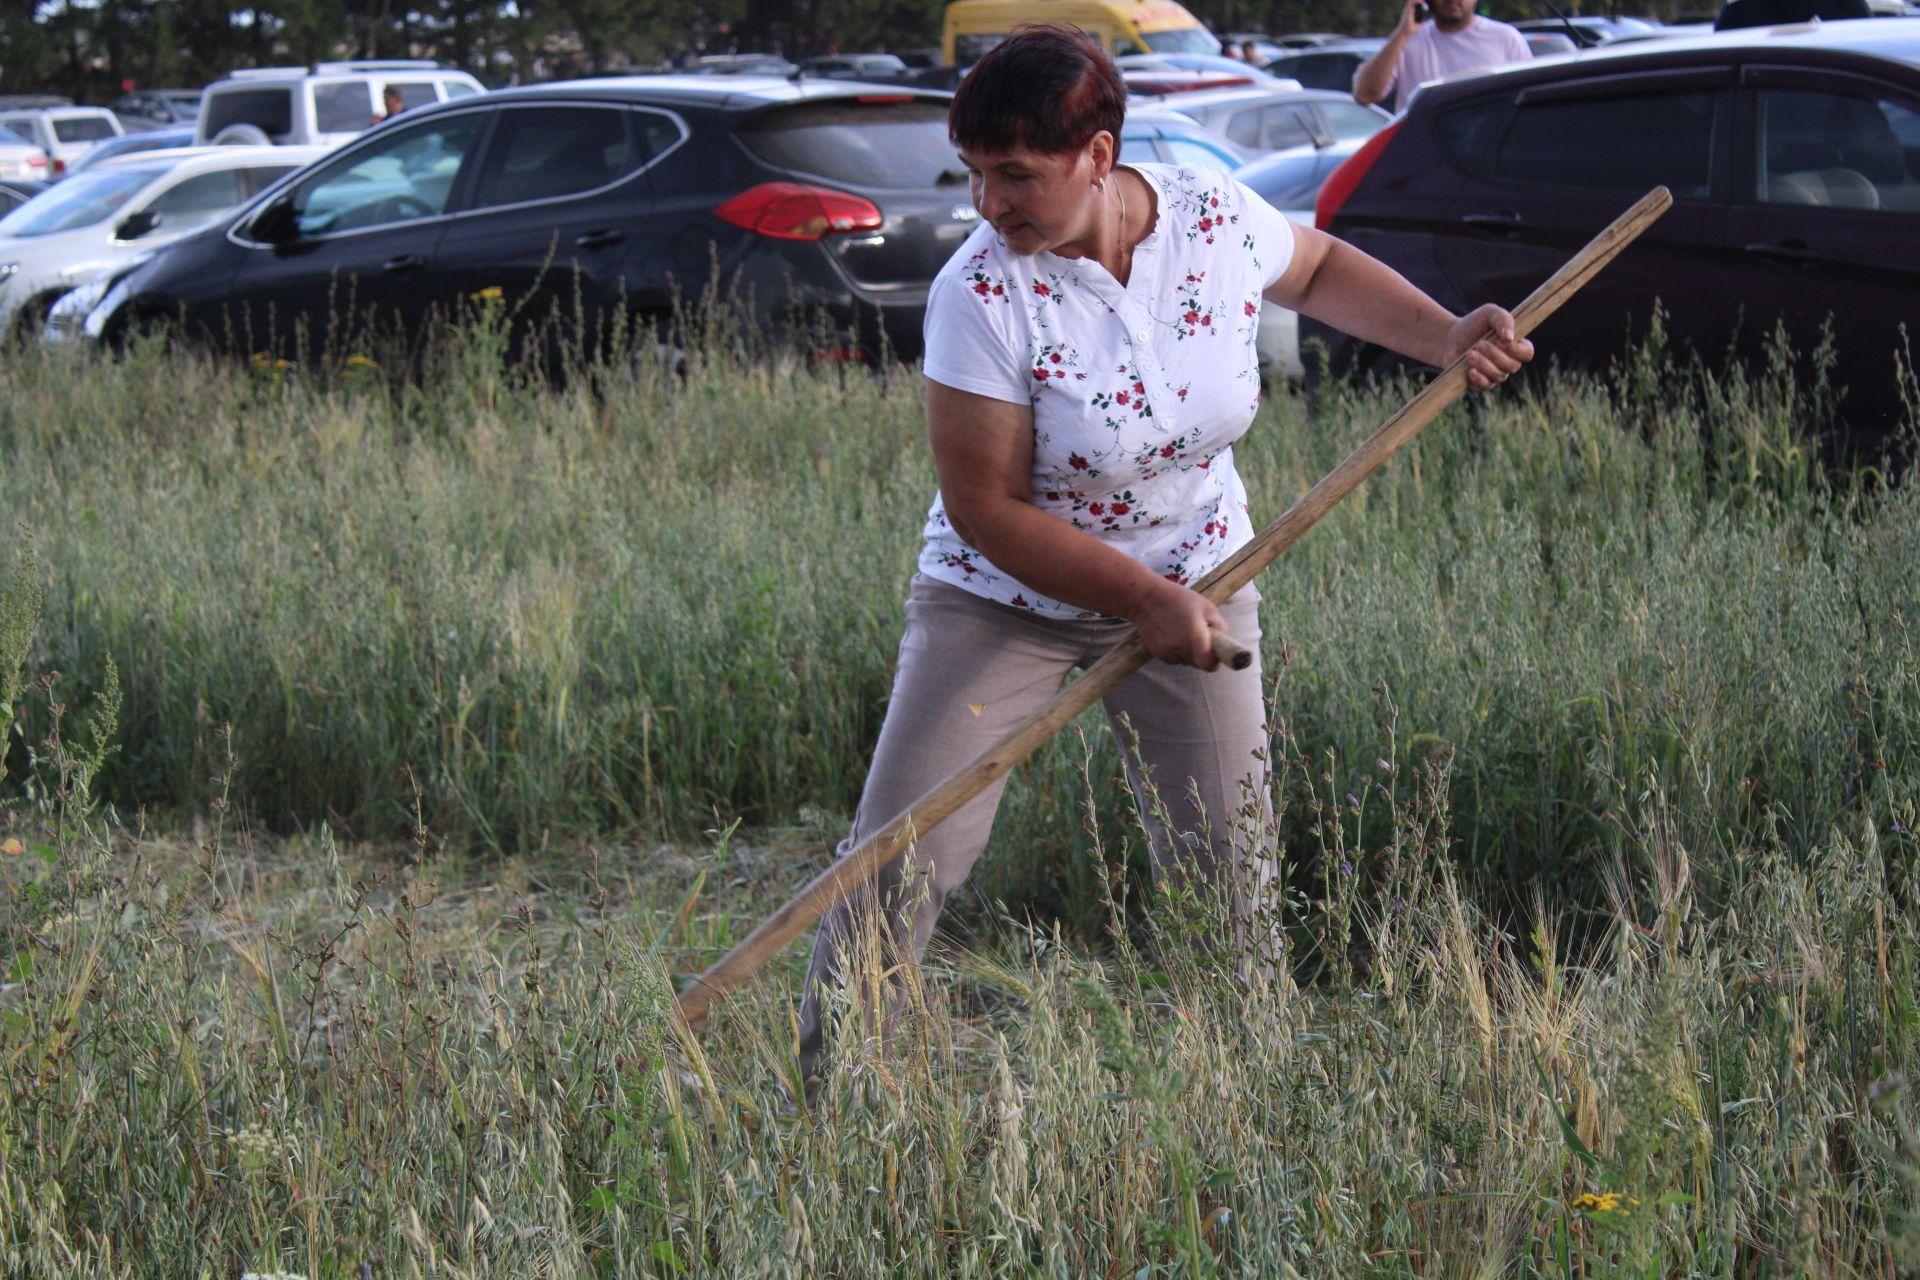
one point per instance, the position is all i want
(808, 202)
(1793, 155)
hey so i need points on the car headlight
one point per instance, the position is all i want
(7, 269)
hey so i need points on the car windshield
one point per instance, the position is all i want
(186, 106)
(1182, 40)
(870, 144)
(83, 129)
(79, 202)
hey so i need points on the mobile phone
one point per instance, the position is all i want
(1421, 13)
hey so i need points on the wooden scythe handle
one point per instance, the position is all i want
(848, 873)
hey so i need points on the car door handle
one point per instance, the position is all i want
(598, 239)
(1791, 253)
(404, 263)
(1505, 223)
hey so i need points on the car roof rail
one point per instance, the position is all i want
(264, 73)
(379, 64)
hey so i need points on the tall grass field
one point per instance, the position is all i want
(388, 740)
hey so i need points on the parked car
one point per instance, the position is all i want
(96, 222)
(1158, 82)
(1587, 31)
(1793, 155)
(1258, 120)
(20, 158)
(322, 106)
(739, 64)
(62, 132)
(1160, 135)
(1192, 62)
(1331, 66)
(150, 109)
(15, 192)
(129, 143)
(855, 66)
(1326, 66)
(1308, 39)
(822, 201)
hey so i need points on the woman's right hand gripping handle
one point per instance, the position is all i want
(1177, 623)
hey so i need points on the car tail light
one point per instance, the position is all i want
(59, 165)
(1342, 182)
(794, 211)
(36, 162)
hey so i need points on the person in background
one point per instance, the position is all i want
(1250, 54)
(392, 104)
(1456, 40)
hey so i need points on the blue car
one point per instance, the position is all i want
(1158, 135)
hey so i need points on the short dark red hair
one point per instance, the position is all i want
(1047, 87)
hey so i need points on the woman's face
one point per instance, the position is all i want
(1041, 200)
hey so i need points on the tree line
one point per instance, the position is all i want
(91, 50)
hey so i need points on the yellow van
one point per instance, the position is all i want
(1124, 26)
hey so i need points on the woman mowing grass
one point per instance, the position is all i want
(1090, 362)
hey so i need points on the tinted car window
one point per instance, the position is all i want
(1836, 150)
(83, 129)
(1351, 120)
(1317, 70)
(413, 93)
(460, 89)
(1243, 128)
(268, 109)
(538, 153)
(78, 202)
(1627, 143)
(343, 107)
(401, 177)
(197, 200)
(879, 144)
(8, 138)
(1285, 127)
(1466, 131)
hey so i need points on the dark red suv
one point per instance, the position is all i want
(1793, 155)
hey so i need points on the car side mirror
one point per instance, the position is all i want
(278, 223)
(135, 225)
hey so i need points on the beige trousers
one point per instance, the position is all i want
(970, 670)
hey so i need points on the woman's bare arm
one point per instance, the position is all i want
(1334, 282)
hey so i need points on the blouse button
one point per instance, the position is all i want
(1140, 336)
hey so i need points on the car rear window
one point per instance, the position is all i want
(871, 144)
(268, 109)
(1627, 143)
(83, 129)
(8, 138)
(343, 107)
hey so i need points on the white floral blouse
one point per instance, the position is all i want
(1138, 392)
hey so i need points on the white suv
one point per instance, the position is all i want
(323, 105)
(63, 132)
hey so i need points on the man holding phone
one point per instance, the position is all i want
(1456, 39)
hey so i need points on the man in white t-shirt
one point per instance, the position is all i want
(1456, 40)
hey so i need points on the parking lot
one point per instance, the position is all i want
(282, 203)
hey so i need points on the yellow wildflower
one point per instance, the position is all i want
(362, 362)
(12, 847)
(1605, 1202)
(492, 293)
